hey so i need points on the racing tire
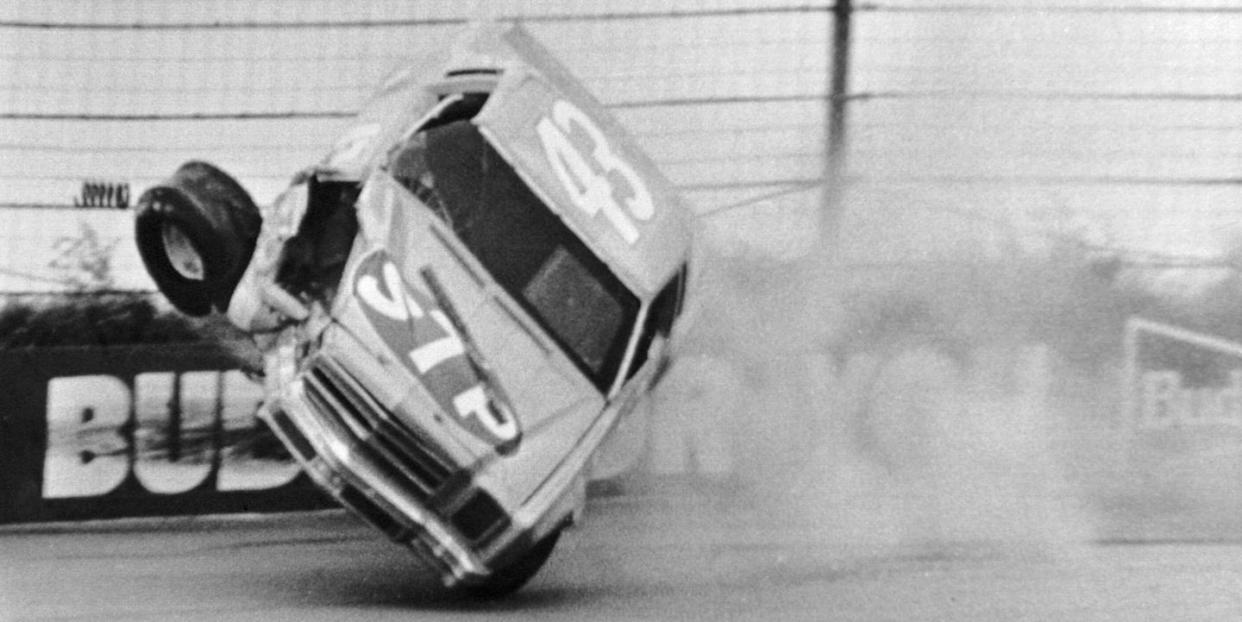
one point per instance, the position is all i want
(195, 233)
(510, 578)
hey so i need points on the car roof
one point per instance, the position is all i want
(555, 134)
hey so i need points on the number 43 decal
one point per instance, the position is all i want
(588, 178)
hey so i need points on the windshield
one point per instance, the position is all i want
(526, 248)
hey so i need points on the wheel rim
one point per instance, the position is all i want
(181, 253)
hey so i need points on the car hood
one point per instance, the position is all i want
(396, 312)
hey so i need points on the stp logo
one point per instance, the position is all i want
(423, 338)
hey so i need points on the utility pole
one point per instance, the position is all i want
(835, 138)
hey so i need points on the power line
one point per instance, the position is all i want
(1133, 8)
(178, 116)
(692, 187)
(1188, 263)
(18, 176)
(965, 7)
(413, 22)
(1053, 180)
(345, 114)
(716, 100)
(948, 180)
(86, 293)
(1128, 255)
(755, 183)
(36, 205)
(791, 189)
(1046, 95)
(755, 155)
(656, 103)
(78, 149)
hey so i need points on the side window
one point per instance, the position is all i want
(667, 305)
(407, 162)
(313, 260)
(664, 311)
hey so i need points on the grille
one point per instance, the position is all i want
(297, 440)
(332, 392)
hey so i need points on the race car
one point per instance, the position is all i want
(455, 306)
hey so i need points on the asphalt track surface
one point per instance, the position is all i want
(662, 557)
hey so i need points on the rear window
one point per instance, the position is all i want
(526, 248)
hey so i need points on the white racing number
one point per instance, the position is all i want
(404, 308)
(417, 329)
(588, 179)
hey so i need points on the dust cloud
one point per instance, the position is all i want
(878, 430)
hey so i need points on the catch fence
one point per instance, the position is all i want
(989, 124)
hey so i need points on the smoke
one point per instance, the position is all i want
(878, 430)
(948, 376)
(938, 457)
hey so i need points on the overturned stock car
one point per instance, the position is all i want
(454, 307)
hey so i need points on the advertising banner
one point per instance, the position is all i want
(139, 430)
(1184, 411)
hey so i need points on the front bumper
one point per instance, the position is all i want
(389, 474)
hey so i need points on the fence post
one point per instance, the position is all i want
(835, 126)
